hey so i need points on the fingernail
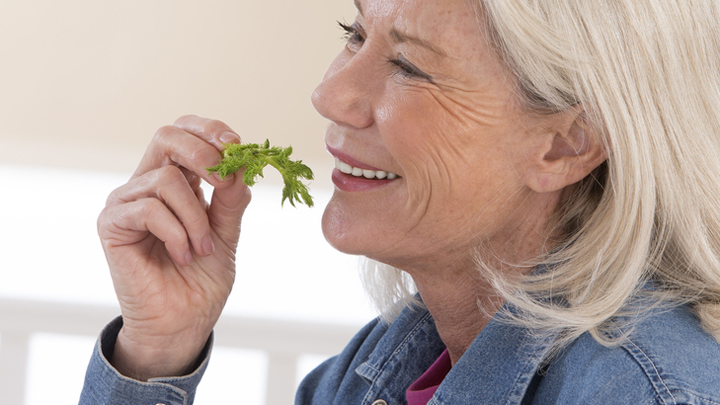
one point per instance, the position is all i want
(189, 257)
(229, 137)
(208, 245)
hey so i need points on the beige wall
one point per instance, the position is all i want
(85, 83)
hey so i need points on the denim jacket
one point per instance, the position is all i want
(668, 359)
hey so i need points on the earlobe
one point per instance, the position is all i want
(570, 153)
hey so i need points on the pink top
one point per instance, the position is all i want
(420, 392)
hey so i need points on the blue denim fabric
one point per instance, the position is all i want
(104, 385)
(668, 359)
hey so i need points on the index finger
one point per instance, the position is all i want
(215, 132)
(193, 143)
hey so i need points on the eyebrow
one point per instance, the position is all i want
(358, 6)
(401, 37)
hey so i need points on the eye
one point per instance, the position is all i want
(408, 70)
(352, 34)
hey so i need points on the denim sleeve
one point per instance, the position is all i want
(104, 385)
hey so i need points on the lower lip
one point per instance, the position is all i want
(346, 182)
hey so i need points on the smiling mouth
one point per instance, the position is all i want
(368, 174)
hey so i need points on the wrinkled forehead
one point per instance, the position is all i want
(449, 24)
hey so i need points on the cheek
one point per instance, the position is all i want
(443, 147)
(430, 122)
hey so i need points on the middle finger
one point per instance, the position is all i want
(171, 187)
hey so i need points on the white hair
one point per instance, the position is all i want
(647, 75)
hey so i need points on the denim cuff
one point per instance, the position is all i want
(104, 385)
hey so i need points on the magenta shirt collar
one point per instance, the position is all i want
(420, 392)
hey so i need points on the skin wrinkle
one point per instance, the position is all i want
(435, 167)
(401, 37)
(420, 203)
(423, 201)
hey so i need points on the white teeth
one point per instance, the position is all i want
(368, 174)
(344, 167)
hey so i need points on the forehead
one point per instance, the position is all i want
(450, 24)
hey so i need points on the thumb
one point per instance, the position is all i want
(227, 206)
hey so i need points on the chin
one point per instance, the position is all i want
(339, 230)
(365, 224)
(353, 231)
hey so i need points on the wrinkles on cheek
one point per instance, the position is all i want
(468, 111)
(432, 184)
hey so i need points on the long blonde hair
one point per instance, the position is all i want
(647, 74)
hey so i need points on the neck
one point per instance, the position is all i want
(461, 300)
(461, 305)
(452, 285)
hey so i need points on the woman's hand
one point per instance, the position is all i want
(171, 255)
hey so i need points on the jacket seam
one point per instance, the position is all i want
(654, 368)
(654, 400)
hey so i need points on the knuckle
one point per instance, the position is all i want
(110, 220)
(185, 118)
(201, 126)
(165, 132)
(169, 180)
(204, 156)
(169, 174)
(216, 127)
(152, 208)
(102, 220)
(113, 197)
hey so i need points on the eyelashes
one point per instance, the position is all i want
(354, 37)
(351, 34)
(407, 69)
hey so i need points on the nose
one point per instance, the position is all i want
(344, 95)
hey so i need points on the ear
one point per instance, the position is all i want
(569, 152)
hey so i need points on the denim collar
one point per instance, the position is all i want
(497, 368)
(408, 348)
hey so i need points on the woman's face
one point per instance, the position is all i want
(419, 95)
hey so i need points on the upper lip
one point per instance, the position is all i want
(349, 159)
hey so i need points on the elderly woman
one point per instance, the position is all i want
(551, 234)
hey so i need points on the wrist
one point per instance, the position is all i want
(143, 357)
